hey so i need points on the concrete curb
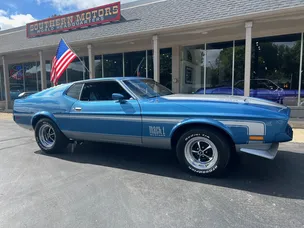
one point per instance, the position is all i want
(297, 123)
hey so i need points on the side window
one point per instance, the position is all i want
(74, 91)
(102, 91)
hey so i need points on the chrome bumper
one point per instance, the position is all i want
(265, 150)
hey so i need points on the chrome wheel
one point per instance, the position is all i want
(201, 153)
(47, 136)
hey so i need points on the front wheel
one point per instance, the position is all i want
(49, 138)
(204, 151)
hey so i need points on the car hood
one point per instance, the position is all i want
(261, 103)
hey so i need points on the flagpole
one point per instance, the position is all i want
(76, 55)
(140, 64)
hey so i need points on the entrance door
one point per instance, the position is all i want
(97, 117)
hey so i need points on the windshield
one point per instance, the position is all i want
(263, 84)
(147, 88)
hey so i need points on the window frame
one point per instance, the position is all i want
(74, 84)
(132, 97)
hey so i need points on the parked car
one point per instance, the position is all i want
(16, 91)
(207, 132)
(260, 88)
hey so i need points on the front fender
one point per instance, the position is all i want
(205, 121)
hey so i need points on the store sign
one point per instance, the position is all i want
(86, 18)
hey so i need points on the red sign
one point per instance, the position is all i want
(82, 19)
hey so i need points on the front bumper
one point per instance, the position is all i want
(265, 150)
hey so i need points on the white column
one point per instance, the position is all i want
(91, 61)
(248, 26)
(42, 71)
(6, 84)
(156, 60)
(176, 69)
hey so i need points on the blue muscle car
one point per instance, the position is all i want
(207, 132)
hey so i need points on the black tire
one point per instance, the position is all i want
(60, 143)
(219, 164)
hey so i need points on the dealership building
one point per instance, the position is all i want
(236, 47)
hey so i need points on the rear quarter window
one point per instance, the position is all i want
(75, 90)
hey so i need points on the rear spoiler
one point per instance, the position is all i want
(25, 94)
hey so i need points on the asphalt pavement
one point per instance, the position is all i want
(104, 185)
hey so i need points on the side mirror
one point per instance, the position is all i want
(118, 96)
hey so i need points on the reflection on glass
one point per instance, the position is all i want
(275, 68)
(30, 77)
(113, 65)
(75, 71)
(2, 91)
(219, 60)
(166, 67)
(301, 102)
(16, 80)
(135, 64)
(150, 64)
(239, 60)
(63, 78)
(48, 69)
(192, 69)
(98, 66)
(85, 60)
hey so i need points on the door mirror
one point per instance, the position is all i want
(118, 96)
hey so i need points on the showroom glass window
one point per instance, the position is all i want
(275, 68)
(85, 60)
(239, 68)
(63, 78)
(48, 68)
(24, 77)
(31, 80)
(301, 102)
(2, 90)
(210, 66)
(98, 66)
(166, 67)
(113, 66)
(192, 68)
(150, 64)
(16, 79)
(219, 60)
(75, 71)
(135, 63)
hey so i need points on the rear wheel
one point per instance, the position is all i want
(49, 138)
(205, 152)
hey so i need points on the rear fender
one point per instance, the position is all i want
(205, 121)
(42, 114)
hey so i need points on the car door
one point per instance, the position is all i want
(97, 117)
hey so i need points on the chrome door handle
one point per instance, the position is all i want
(77, 109)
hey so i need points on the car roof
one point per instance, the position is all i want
(120, 78)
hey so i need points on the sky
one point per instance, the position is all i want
(15, 13)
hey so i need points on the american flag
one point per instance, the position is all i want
(64, 56)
